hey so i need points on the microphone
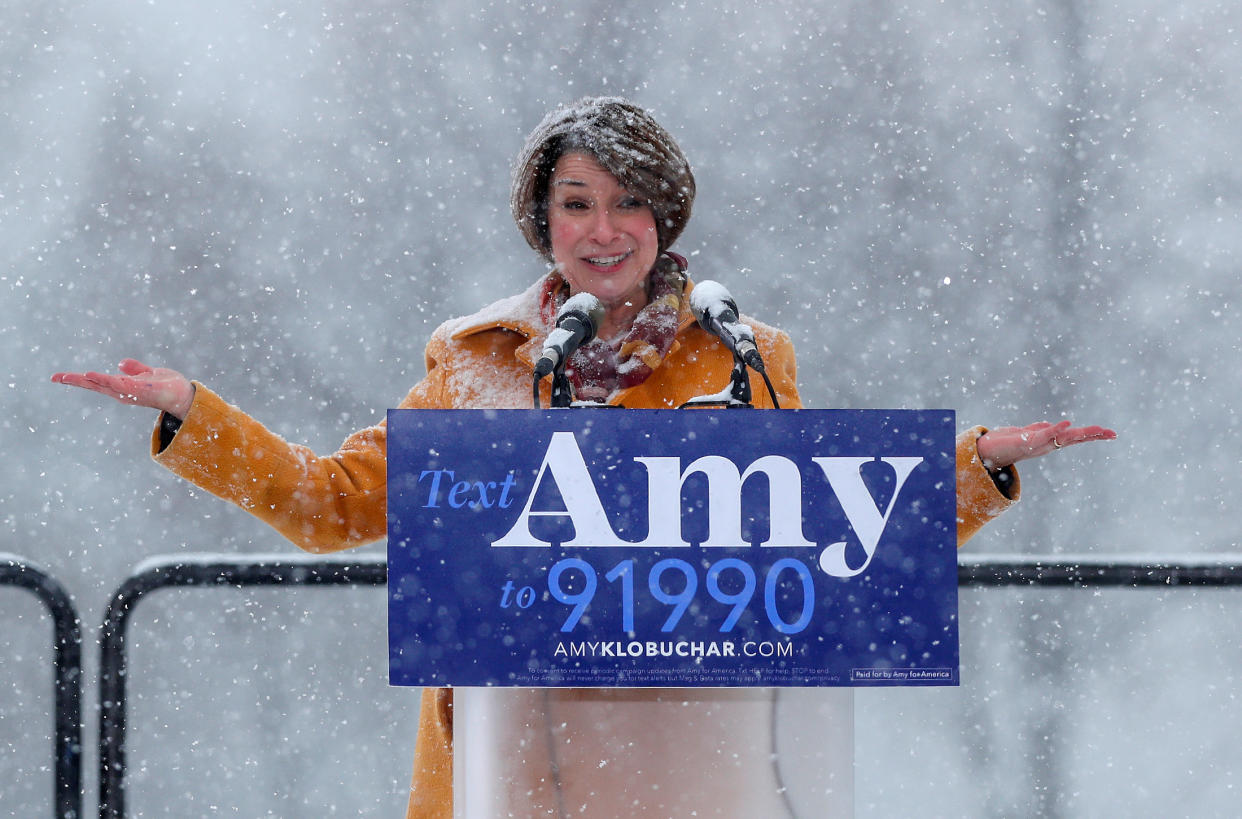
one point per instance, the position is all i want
(716, 312)
(576, 323)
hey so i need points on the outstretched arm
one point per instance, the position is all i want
(156, 387)
(1005, 446)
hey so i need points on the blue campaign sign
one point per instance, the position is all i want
(730, 547)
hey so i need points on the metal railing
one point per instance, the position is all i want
(978, 571)
(973, 571)
(67, 679)
(182, 571)
(1097, 571)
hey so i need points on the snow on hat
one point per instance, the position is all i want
(627, 142)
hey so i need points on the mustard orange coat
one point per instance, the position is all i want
(328, 503)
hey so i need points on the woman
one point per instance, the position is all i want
(602, 192)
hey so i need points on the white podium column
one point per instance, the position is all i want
(658, 752)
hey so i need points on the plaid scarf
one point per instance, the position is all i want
(598, 369)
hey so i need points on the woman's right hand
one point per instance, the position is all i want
(156, 387)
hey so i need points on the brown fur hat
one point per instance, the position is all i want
(627, 142)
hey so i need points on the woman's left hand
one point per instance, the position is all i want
(1004, 446)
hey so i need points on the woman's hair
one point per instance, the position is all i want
(627, 142)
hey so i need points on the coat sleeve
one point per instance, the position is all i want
(979, 499)
(321, 503)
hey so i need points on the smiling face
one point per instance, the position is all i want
(603, 238)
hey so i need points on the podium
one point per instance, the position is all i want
(664, 613)
(732, 752)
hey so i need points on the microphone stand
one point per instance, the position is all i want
(736, 396)
(562, 390)
(739, 383)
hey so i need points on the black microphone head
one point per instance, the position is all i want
(707, 300)
(588, 309)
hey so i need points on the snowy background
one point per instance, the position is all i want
(1020, 210)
